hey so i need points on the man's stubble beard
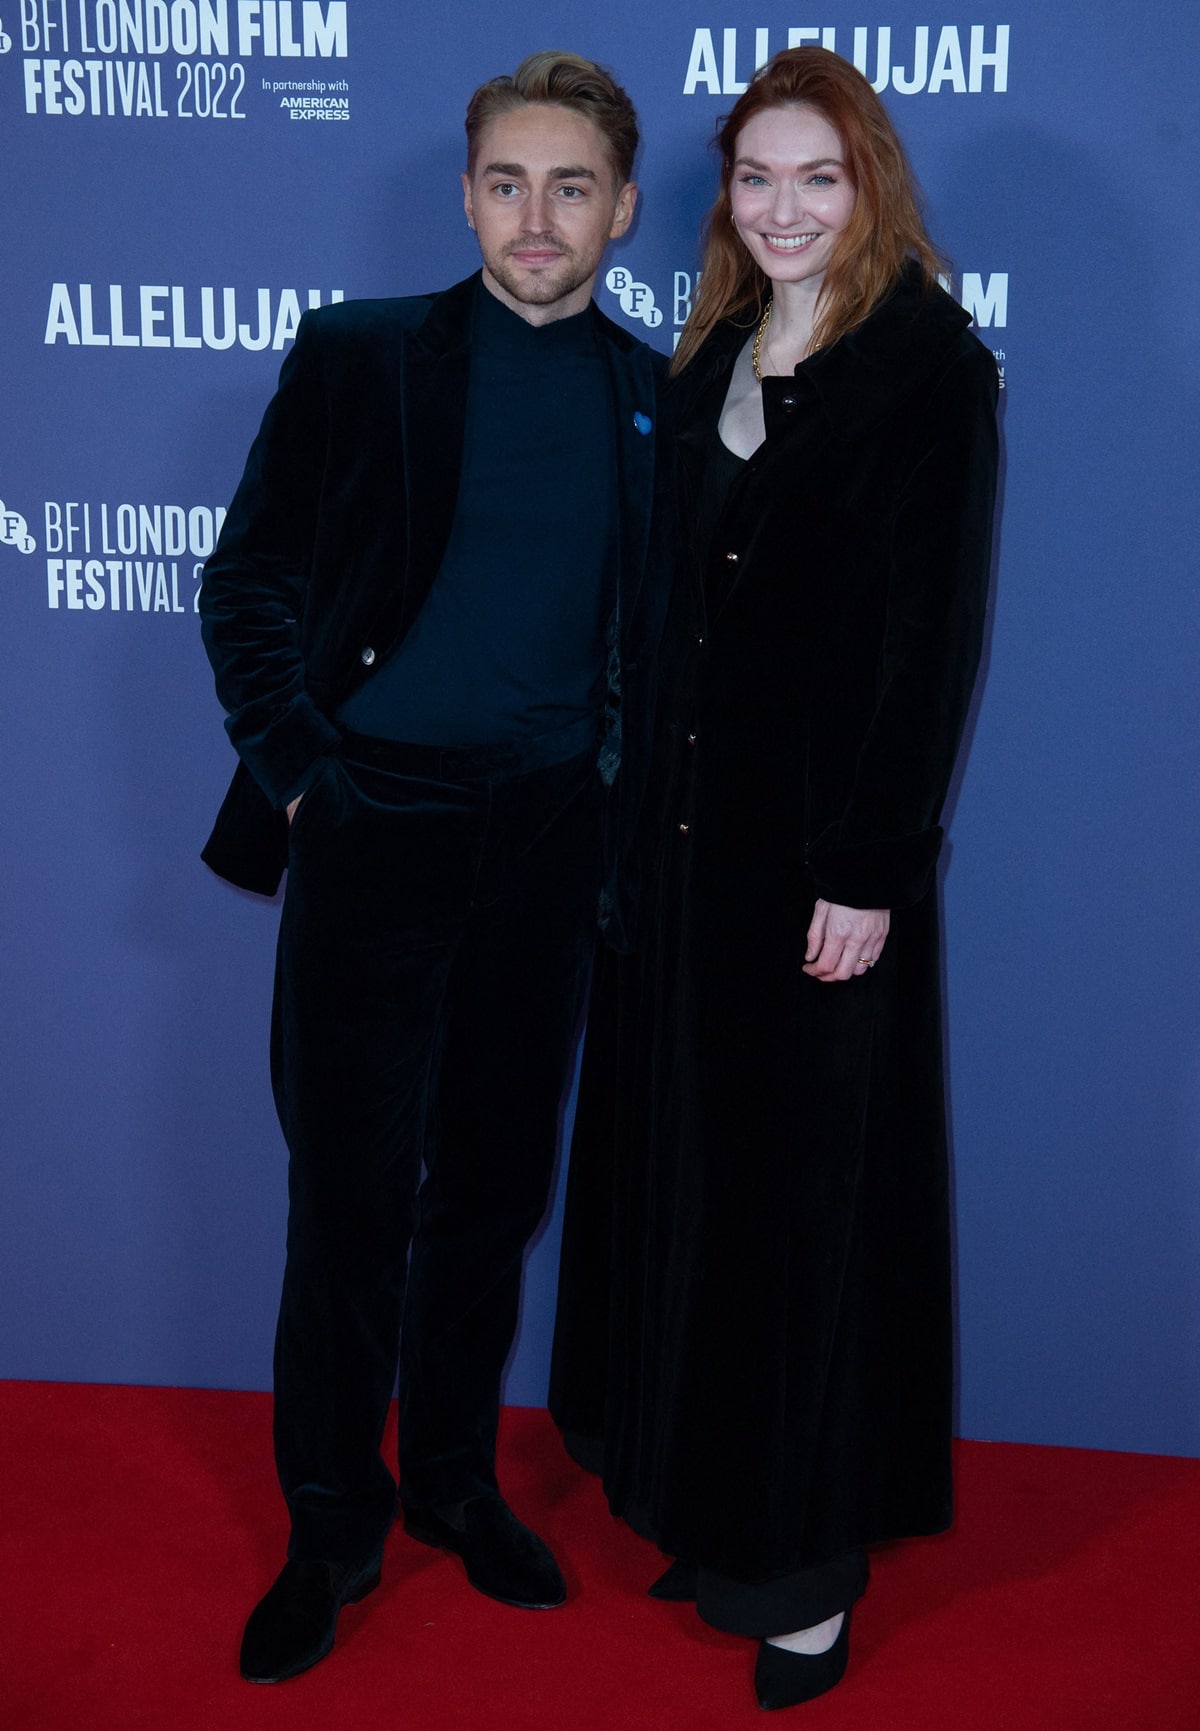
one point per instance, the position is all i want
(544, 288)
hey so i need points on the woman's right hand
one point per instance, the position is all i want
(843, 943)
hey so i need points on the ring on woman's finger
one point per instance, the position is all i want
(865, 962)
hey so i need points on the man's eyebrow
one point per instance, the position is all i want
(517, 171)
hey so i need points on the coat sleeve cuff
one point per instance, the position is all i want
(894, 873)
(284, 756)
(249, 843)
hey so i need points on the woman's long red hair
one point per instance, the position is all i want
(885, 229)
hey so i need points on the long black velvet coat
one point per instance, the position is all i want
(755, 1299)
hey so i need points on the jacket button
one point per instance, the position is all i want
(787, 402)
(683, 829)
(699, 641)
(367, 657)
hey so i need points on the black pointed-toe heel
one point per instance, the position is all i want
(785, 1679)
(678, 1584)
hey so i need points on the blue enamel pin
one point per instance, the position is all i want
(643, 423)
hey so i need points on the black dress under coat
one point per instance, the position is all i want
(754, 1324)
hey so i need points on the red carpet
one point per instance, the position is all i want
(141, 1525)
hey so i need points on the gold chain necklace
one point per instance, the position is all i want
(759, 334)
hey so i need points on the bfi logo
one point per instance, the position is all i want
(636, 298)
(14, 530)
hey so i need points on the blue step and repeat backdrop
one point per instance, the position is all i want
(180, 180)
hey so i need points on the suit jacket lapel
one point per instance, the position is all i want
(635, 414)
(433, 398)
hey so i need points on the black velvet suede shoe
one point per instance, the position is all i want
(785, 1679)
(292, 1628)
(677, 1584)
(503, 1558)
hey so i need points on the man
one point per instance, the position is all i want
(430, 613)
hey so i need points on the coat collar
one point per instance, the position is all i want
(446, 327)
(863, 377)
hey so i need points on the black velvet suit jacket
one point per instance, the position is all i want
(337, 531)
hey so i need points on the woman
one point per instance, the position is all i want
(769, 1373)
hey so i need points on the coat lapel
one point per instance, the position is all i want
(635, 413)
(433, 397)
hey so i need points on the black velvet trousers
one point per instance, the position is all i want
(436, 934)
